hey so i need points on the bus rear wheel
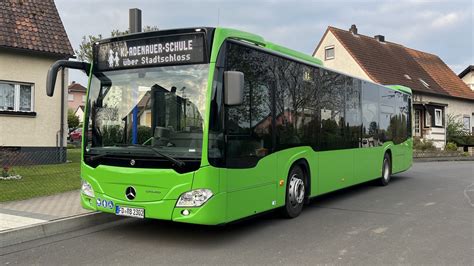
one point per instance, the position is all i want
(386, 170)
(295, 192)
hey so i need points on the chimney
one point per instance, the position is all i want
(379, 38)
(135, 20)
(353, 29)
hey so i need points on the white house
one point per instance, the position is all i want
(467, 75)
(80, 113)
(437, 90)
(32, 37)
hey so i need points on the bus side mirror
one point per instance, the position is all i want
(53, 72)
(233, 87)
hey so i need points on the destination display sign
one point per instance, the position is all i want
(154, 51)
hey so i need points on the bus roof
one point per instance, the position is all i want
(221, 34)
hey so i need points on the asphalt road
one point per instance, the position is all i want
(423, 217)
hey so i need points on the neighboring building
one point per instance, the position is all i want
(437, 90)
(32, 37)
(467, 75)
(80, 113)
(76, 96)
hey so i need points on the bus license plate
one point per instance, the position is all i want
(129, 211)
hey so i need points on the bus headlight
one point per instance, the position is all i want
(194, 198)
(87, 189)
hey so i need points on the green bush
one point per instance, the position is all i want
(71, 146)
(426, 145)
(143, 134)
(72, 119)
(451, 146)
(455, 128)
(112, 135)
(466, 140)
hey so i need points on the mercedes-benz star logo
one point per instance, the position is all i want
(132, 162)
(130, 193)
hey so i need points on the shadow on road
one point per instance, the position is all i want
(180, 234)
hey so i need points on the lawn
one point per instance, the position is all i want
(42, 180)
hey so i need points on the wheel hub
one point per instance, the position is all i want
(296, 190)
(386, 172)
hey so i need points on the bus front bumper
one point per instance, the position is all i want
(211, 213)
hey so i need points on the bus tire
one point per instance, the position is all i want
(386, 170)
(295, 192)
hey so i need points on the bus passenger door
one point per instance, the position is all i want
(251, 190)
(251, 165)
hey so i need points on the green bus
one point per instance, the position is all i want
(211, 125)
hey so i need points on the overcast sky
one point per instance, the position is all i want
(440, 27)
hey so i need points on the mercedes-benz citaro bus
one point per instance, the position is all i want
(211, 125)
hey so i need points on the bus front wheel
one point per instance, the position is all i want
(295, 192)
(386, 170)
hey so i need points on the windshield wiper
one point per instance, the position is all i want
(93, 158)
(179, 163)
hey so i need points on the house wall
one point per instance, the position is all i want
(43, 129)
(345, 63)
(77, 101)
(342, 60)
(458, 107)
(469, 79)
(80, 114)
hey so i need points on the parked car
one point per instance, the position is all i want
(75, 135)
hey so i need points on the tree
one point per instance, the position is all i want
(454, 127)
(84, 53)
(72, 119)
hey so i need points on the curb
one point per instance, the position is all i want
(54, 227)
(443, 159)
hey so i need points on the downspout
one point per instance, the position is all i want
(61, 129)
(445, 124)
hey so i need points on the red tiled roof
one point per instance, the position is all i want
(391, 63)
(76, 87)
(33, 25)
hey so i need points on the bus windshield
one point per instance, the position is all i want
(159, 107)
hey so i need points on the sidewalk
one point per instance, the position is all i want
(17, 214)
(443, 159)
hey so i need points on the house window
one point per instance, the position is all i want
(16, 97)
(467, 123)
(83, 98)
(438, 117)
(417, 122)
(329, 52)
(427, 119)
(70, 97)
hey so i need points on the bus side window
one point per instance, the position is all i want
(249, 125)
(332, 94)
(388, 115)
(370, 115)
